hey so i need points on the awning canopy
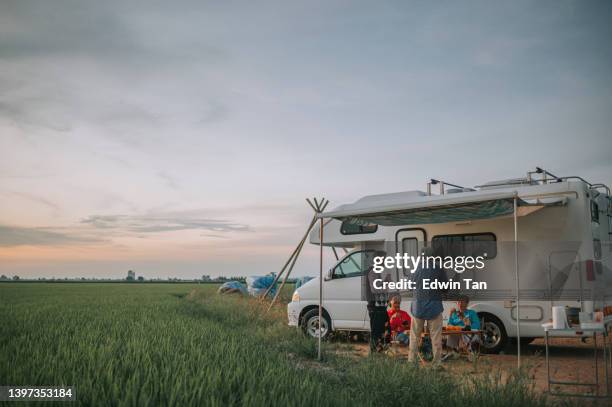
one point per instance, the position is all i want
(418, 209)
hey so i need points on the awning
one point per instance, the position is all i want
(417, 209)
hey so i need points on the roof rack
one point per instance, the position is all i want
(433, 181)
(545, 174)
(545, 178)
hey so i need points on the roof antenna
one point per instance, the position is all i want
(442, 183)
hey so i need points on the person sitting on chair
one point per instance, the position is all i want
(468, 320)
(399, 321)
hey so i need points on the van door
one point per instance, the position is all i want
(410, 241)
(342, 291)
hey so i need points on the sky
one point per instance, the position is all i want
(181, 138)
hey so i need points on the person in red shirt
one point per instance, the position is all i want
(399, 321)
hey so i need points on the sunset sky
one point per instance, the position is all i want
(180, 138)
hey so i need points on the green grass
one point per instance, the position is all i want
(178, 344)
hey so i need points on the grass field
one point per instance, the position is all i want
(181, 344)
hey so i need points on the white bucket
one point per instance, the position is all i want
(559, 317)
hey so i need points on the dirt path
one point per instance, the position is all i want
(570, 360)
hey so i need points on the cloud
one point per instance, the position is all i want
(215, 111)
(11, 236)
(106, 66)
(104, 228)
(161, 223)
(36, 199)
(168, 179)
(34, 113)
(214, 236)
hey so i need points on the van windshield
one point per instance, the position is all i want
(355, 264)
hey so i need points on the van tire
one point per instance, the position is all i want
(495, 337)
(309, 323)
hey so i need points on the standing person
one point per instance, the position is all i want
(427, 306)
(377, 302)
(399, 321)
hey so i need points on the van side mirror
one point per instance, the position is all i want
(329, 274)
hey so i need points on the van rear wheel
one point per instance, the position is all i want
(311, 327)
(494, 337)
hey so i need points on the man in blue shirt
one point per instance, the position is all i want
(427, 306)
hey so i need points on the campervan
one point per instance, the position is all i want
(563, 228)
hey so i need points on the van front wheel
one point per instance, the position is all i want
(311, 327)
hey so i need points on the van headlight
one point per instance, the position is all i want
(295, 297)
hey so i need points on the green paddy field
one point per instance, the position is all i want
(182, 344)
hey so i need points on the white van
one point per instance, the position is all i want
(573, 211)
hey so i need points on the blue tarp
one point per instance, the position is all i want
(257, 285)
(232, 287)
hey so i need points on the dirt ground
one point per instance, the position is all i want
(570, 360)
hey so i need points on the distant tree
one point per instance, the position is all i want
(3, 277)
(16, 278)
(131, 276)
(140, 278)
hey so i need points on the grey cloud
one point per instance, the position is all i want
(11, 236)
(113, 45)
(105, 30)
(37, 199)
(168, 179)
(36, 113)
(215, 112)
(161, 223)
(75, 28)
(214, 236)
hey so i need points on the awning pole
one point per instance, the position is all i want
(320, 284)
(516, 271)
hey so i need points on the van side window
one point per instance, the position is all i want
(349, 228)
(594, 212)
(355, 264)
(473, 244)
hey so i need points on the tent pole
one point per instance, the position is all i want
(335, 253)
(518, 298)
(291, 258)
(320, 283)
(280, 289)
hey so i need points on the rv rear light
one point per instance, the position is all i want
(295, 297)
(590, 274)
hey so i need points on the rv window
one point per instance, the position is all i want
(410, 245)
(594, 212)
(475, 244)
(348, 228)
(355, 264)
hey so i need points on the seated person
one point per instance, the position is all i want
(399, 321)
(468, 320)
